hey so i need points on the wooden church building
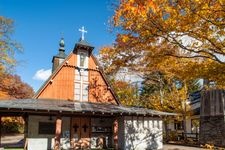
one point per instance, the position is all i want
(76, 108)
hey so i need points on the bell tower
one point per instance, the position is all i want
(82, 50)
(59, 58)
(82, 46)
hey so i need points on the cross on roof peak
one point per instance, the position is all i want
(82, 32)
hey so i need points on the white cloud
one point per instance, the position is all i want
(42, 74)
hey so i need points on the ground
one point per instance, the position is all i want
(17, 140)
(179, 147)
(12, 140)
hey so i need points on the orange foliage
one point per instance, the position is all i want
(11, 87)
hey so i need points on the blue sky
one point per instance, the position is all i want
(39, 25)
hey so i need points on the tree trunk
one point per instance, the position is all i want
(184, 126)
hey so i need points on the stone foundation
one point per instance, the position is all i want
(212, 130)
(212, 125)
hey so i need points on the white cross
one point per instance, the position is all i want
(82, 32)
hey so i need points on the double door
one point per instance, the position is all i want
(80, 132)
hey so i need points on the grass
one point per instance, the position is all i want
(13, 148)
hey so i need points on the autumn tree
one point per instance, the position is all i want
(169, 41)
(150, 31)
(183, 40)
(126, 92)
(194, 26)
(12, 87)
(8, 46)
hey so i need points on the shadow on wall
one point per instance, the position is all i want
(98, 91)
(139, 137)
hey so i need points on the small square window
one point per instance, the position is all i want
(85, 98)
(77, 97)
(77, 77)
(77, 85)
(77, 91)
(85, 78)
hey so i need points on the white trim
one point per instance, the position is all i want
(81, 78)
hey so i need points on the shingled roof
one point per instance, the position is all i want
(63, 106)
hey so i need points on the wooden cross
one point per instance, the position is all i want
(75, 127)
(82, 32)
(85, 127)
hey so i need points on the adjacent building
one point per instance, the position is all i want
(192, 122)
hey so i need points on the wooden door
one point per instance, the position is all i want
(80, 132)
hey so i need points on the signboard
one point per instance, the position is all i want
(37, 143)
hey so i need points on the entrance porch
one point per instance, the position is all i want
(61, 124)
(74, 132)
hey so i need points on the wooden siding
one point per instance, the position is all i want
(99, 92)
(61, 83)
(212, 103)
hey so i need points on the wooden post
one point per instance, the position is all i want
(58, 130)
(115, 133)
(25, 118)
(0, 131)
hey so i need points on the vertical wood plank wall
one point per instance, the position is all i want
(100, 93)
(212, 103)
(62, 85)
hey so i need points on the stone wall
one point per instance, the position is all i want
(212, 130)
(140, 133)
(212, 125)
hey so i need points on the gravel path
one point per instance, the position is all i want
(17, 140)
(179, 147)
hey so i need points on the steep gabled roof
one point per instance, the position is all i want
(106, 79)
(64, 63)
(52, 76)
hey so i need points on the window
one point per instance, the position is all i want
(77, 91)
(60, 60)
(178, 125)
(85, 92)
(81, 77)
(81, 85)
(82, 60)
(46, 128)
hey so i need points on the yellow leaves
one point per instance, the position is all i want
(156, 33)
(126, 92)
(125, 38)
(151, 4)
(133, 9)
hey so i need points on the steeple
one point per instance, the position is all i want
(58, 59)
(82, 44)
